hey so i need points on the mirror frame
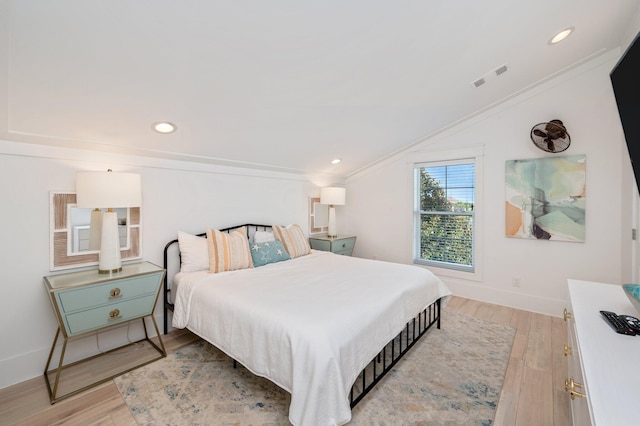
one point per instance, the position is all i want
(313, 202)
(61, 255)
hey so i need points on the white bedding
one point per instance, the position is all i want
(310, 324)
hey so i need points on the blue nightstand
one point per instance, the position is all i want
(87, 302)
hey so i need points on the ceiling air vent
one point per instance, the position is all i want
(479, 82)
(490, 75)
(501, 70)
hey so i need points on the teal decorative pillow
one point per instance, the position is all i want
(268, 252)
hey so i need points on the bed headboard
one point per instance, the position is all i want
(172, 261)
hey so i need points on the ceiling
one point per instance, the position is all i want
(283, 84)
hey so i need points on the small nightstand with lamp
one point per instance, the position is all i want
(333, 196)
(90, 301)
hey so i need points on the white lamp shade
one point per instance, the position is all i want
(107, 190)
(333, 195)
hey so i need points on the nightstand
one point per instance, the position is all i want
(87, 302)
(339, 245)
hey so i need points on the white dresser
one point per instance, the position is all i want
(603, 365)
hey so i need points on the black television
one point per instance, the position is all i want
(625, 79)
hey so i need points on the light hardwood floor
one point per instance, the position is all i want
(532, 394)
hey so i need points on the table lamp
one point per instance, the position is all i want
(108, 190)
(334, 196)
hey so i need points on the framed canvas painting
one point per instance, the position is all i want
(546, 198)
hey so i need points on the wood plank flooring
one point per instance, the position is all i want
(532, 394)
(533, 390)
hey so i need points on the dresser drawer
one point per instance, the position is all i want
(75, 299)
(83, 321)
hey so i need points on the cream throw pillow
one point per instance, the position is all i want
(228, 252)
(194, 252)
(292, 239)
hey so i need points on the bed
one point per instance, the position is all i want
(324, 327)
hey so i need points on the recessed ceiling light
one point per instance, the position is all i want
(336, 161)
(164, 127)
(561, 35)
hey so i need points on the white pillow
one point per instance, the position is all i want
(194, 252)
(263, 237)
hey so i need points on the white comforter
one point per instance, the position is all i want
(310, 324)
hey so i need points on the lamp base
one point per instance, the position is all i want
(332, 222)
(109, 260)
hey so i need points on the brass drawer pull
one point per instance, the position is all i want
(567, 315)
(114, 293)
(570, 386)
(567, 350)
(115, 314)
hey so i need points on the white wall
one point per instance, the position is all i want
(379, 205)
(176, 196)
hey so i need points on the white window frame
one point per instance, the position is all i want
(473, 154)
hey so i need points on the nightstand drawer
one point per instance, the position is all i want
(75, 299)
(339, 245)
(81, 322)
(344, 246)
(317, 244)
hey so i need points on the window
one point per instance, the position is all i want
(444, 219)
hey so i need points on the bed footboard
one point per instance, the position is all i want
(394, 351)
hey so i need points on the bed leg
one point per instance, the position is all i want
(235, 364)
(165, 318)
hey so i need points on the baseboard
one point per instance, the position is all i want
(525, 302)
(22, 367)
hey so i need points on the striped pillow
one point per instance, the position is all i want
(228, 252)
(293, 240)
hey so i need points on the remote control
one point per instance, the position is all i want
(620, 325)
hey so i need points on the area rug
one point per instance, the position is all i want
(452, 376)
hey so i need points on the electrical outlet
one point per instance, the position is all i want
(516, 282)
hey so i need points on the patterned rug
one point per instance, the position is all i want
(452, 376)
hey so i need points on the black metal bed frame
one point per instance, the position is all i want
(380, 365)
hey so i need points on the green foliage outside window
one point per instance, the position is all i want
(446, 222)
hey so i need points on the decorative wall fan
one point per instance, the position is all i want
(551, 136)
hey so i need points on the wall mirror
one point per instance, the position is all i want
(70, 230)
(318, 216)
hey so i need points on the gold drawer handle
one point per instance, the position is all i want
(114, 293)
(115, 314)
(568, 350)
(570, 386)
(567, 315)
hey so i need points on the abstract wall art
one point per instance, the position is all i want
(546, 198)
